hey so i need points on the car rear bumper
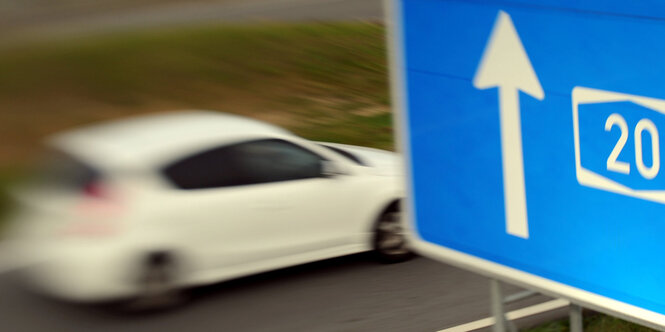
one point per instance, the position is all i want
(82, 274)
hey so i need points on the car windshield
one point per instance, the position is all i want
(346, 154)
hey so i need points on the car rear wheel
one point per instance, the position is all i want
(157, 285)
(390, 242)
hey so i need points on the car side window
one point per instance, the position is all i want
(253, 162)
(207, 169)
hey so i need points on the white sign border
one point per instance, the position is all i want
(397, 66)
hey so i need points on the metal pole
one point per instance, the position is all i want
(496, 302)
(519, 296)
(575, 318)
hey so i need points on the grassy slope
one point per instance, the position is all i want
(324, 81)
(593, 323)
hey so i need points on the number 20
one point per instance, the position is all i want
(624, 167)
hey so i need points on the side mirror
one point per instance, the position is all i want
(330, 169)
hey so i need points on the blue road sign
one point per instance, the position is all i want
(532, 134)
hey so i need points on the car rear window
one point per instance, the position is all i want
(59, 169)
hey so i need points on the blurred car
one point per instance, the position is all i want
(143, 207)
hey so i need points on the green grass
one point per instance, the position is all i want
(345, 60)
(375, 131)
(592, 323)
(8, 177)
(323, 81)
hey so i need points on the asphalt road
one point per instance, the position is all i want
(347, 294)
(48, 25)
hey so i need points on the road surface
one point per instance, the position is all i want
(348, 294)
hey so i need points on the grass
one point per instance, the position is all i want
(130, 67)
(305, 77)
(323, 81)
(8, 176)
(592, 323)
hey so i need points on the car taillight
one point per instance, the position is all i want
(99, 200)
(97, 213)
(94, 189)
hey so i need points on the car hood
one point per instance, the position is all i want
(381, 161)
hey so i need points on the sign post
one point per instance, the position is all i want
(531, 133)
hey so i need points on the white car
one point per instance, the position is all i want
(142, 207)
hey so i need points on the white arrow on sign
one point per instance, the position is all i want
(505, 65)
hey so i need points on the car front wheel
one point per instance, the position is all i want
(390, 242)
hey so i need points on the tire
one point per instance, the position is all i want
(157, 285)
(390, 243)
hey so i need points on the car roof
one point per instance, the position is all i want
(156, 138)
